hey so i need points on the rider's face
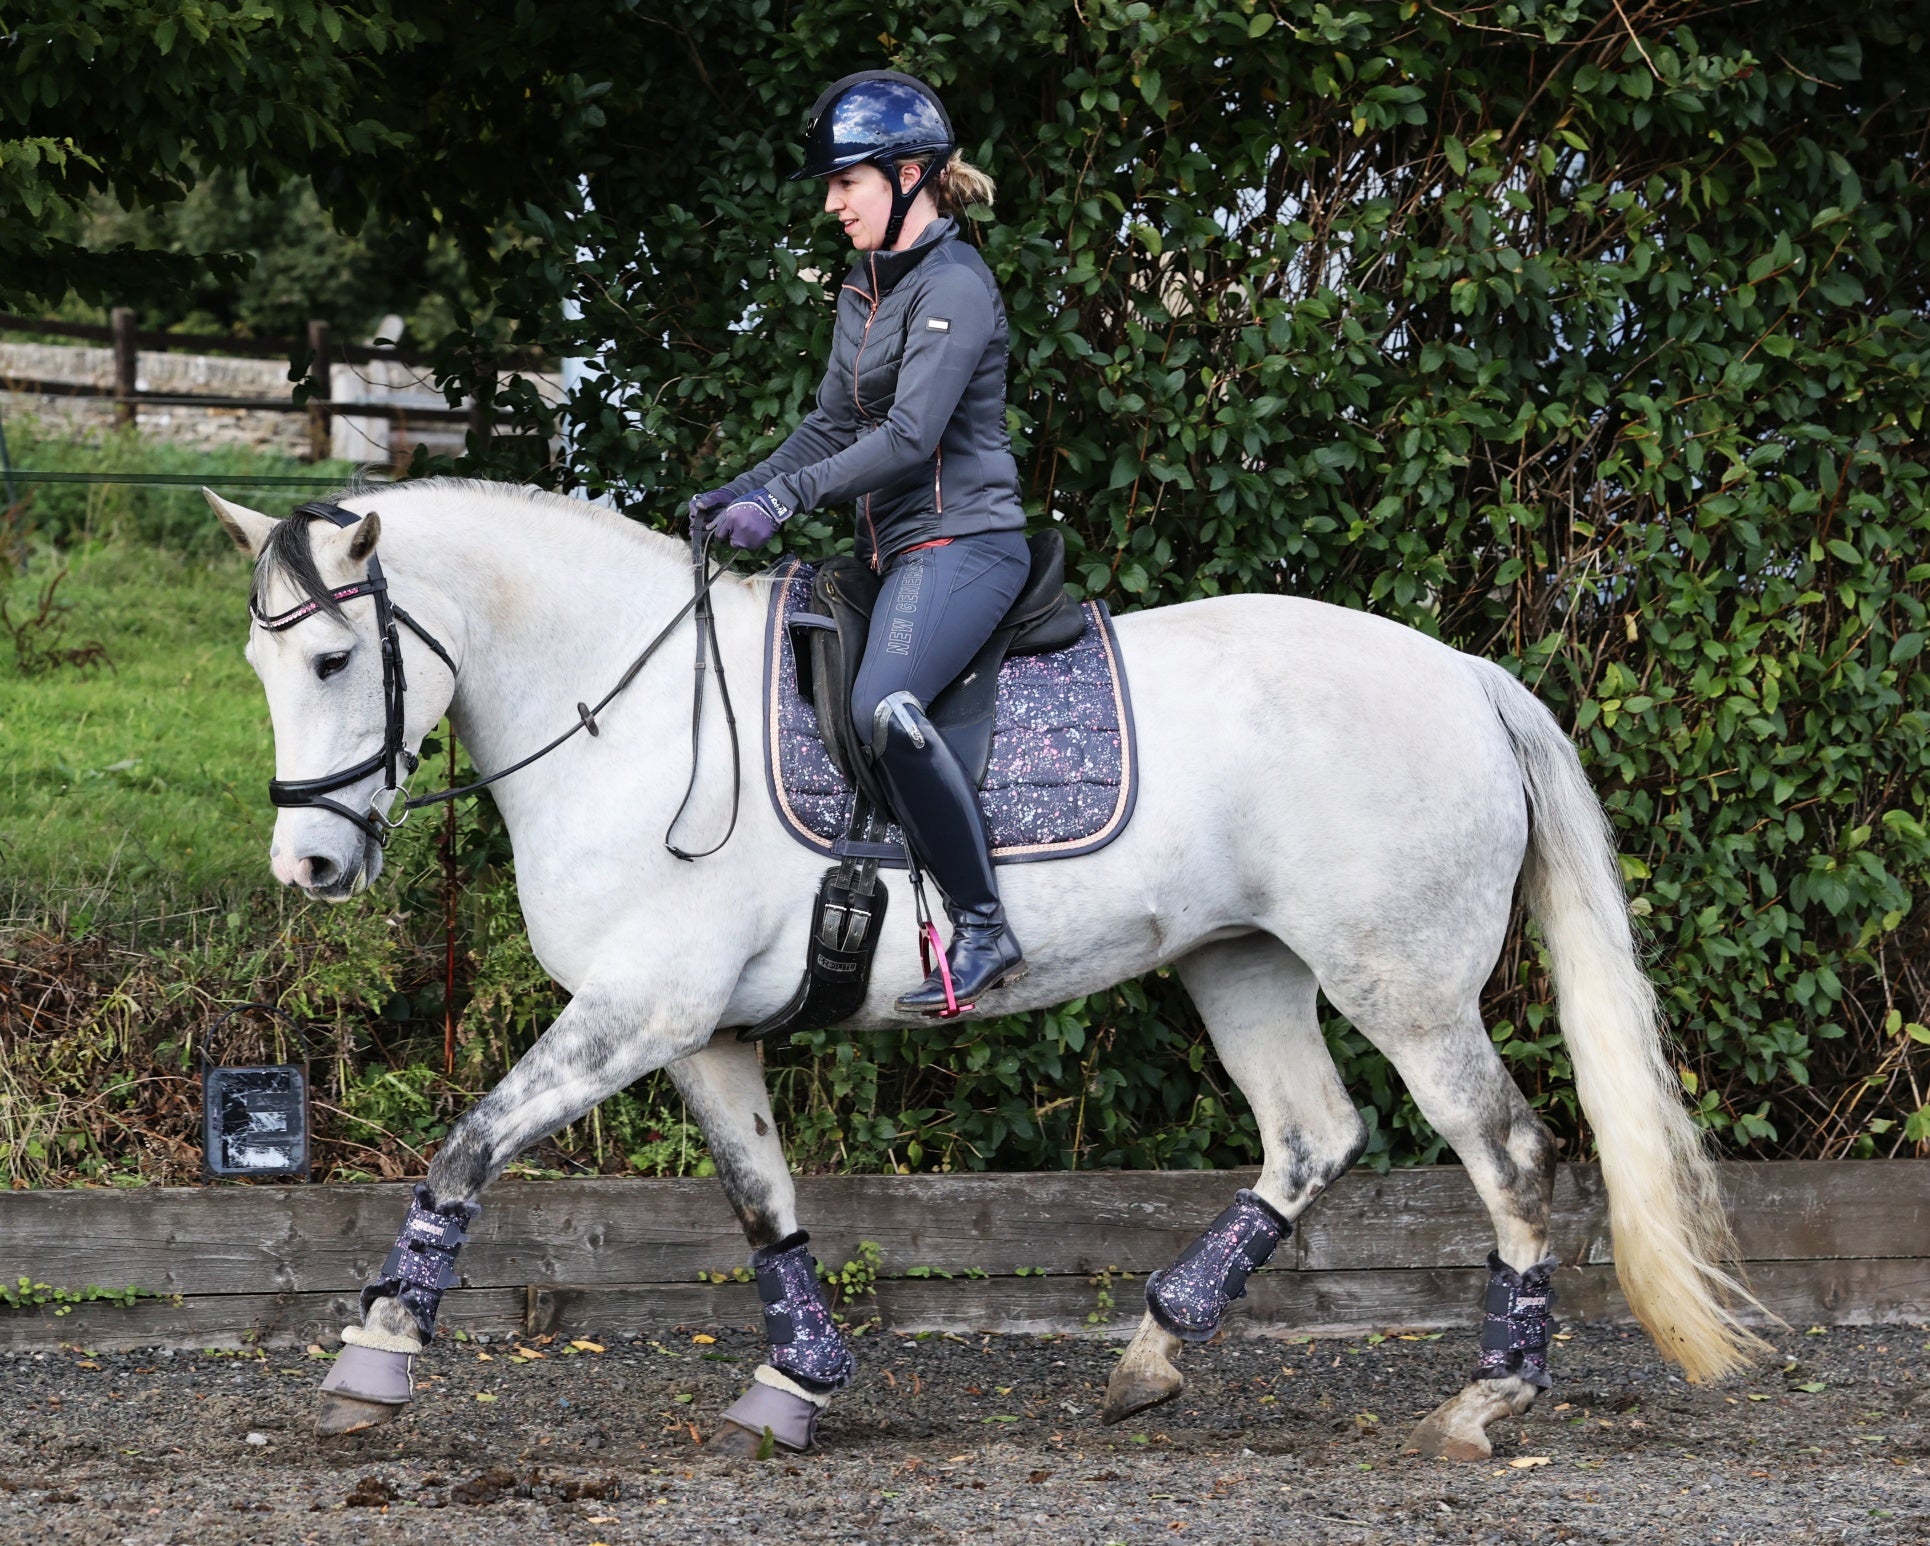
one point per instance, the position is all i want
(860, 198)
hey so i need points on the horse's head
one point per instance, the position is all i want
(345, 734)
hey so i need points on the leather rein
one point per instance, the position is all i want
(397, 763)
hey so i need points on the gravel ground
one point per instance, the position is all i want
(947, 1438)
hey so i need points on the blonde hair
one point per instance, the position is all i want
(959, 185)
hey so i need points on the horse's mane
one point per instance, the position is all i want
(289, 552)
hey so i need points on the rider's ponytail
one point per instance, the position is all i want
(959, 185)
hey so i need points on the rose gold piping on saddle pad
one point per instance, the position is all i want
(1064, 773)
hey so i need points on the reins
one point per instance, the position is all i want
(397, 762)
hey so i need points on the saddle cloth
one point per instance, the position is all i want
(1063, 776)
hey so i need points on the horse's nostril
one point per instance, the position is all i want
(321, 871)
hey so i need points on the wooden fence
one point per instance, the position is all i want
(1846, 1242)
(319, 348)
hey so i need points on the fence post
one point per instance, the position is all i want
(319, 422)
(482, 411)
(126, 364)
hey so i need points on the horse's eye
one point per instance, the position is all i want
(328, 665)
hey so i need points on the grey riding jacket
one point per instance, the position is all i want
(910, 417)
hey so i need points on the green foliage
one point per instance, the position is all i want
(27, 1294)
(856, 1279)
(300, 266)
(113, 800)
(139, 98)
(1583, 338)
(175, 518)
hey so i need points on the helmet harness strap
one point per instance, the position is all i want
(903, 198)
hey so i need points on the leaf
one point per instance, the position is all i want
(1525, 1462)
(485, 1395)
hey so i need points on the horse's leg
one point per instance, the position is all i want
(1258, 1001)
(605, 1039)
(1461, 1087)
(724, 1088)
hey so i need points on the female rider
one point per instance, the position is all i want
(910, 422)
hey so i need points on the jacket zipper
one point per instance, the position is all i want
(857, 401)
(938, 479)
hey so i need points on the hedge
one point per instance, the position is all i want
(1586, 336)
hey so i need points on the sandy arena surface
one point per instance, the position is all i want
(947, 1438)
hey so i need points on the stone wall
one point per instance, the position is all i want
(351, 439)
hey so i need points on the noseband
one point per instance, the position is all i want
(396, 762)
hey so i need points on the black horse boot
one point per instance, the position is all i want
(937, 807)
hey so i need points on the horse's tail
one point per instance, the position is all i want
(1670, 1229)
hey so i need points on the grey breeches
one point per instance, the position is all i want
(937, 606)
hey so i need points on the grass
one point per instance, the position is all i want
(73, 514)
(135, 787)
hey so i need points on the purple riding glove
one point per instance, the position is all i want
(702, 506)
(752, 519)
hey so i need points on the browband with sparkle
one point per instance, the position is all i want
(294, 615)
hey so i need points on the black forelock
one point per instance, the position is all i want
(290, 553)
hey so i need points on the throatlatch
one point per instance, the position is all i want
(422, 1262)
(1517, 1318)
(806, 1344)
(1189, 1297)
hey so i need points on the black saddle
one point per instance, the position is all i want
(829, 647)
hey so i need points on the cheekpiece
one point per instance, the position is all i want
(1517, 1318)
(1189, 1297)
(422, 1262)
(805, 1342)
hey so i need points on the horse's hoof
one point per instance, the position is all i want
(1139, 1390)
(1433, 1439)
(341, 1415)
(734, 1440)
(1457, 1429)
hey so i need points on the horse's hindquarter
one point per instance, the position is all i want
(1332, 777)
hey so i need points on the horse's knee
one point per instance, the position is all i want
(1301, 1163)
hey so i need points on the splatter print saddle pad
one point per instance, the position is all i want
(1063, 775)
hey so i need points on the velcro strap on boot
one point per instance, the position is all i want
(1517, 1320)
(421, 1264)
(805, 1342)
(1189, 1297)
(424, 1252)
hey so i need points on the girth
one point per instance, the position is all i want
(829, 647)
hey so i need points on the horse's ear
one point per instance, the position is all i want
(249, 528)
(367, 534)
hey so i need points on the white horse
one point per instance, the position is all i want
(1330, 802)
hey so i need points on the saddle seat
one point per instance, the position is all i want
(829, 646)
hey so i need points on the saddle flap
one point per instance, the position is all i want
(845, 591)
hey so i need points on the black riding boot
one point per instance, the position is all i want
(937, 807)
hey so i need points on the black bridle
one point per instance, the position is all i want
(396, 762)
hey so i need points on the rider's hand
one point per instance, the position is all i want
(752, 519)
(702, 506)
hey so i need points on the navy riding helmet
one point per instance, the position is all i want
(880, 116)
